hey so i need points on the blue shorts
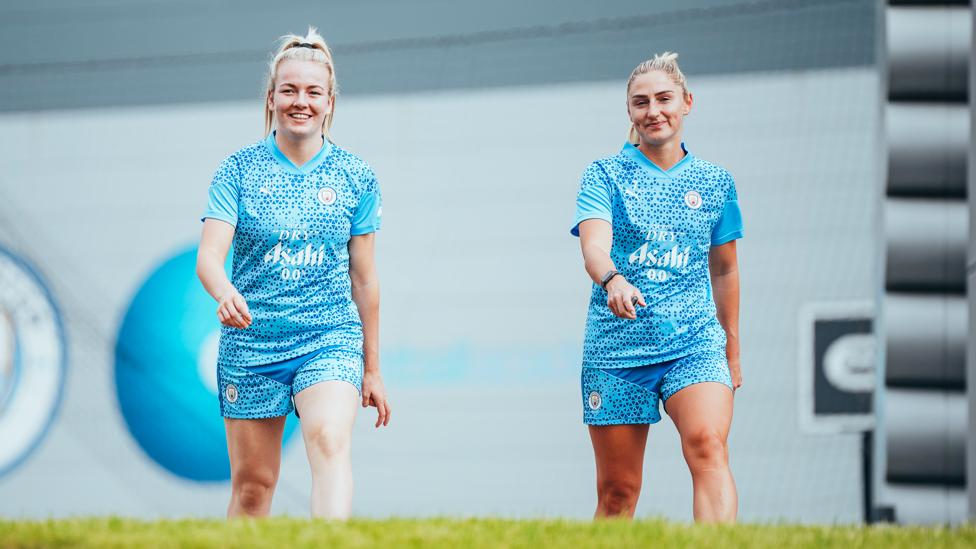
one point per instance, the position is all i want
(267, 391)
(633, 395)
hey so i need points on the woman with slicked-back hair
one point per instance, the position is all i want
(300, 311)
(658, 227)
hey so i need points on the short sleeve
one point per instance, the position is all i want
(225, 191)
(729, 225)
(593, 200)
(369, 213)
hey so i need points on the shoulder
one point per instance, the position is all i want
(352, 164)
(251, 155)
(715, 178)
(706, 170)
(607, 169)
(355, 170)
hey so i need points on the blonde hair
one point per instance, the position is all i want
(666, 62)
(311, 47)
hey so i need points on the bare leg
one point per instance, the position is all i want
(254, 446)
(703, 415)
(328, 411)
(619, 451)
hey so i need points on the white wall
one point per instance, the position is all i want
(483, 291)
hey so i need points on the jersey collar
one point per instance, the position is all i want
(289, 166)
(633, 153)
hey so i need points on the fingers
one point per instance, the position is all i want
(629, 306)
(383, 412)
(640, 298)
(242, 308)
(366, 397)
(621, 306)
(233, 312)
(228, 315)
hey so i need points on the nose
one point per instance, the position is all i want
(301, 99)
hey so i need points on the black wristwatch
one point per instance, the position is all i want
(606, 278)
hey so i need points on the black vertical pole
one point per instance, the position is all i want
(867, 453)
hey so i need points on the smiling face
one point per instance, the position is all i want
(300, 99)
(657, 106)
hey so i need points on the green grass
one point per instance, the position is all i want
(463, 533)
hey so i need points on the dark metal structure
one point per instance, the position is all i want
(926, 232)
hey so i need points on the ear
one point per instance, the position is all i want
(330, 105)
(271, 100)
(688, 103)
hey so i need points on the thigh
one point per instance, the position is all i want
(254, 446)
(245, 394)
(702, 407)
(619, 450)
(327, 405)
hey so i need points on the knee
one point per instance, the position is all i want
(619, 495)
(330, 442)
(706, 447)
(253, 491)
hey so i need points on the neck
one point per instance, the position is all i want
(299, 149)
(664, 155)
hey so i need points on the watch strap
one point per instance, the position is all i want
(606, 278)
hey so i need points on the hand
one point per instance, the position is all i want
(735, 369)
(232, 310)
(374, 394)
(619, 292)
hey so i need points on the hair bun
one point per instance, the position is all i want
(668, 57)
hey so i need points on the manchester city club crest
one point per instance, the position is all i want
(32, 360)
(595, 401)
(693, 200)
(231, 392)
(327, 196)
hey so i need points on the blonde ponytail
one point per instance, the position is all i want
(666, 62)
(311, 47)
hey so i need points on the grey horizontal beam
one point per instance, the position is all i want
(927, 148)
(925, 244)
(928, 2)
(145, 58)
(925, 340)
(926, 436)
(928, 52)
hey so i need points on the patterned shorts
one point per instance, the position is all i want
(633, 395)
(267, 391)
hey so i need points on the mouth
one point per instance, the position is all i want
(299, 116)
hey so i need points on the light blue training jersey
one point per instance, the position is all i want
(663, 226)
(290, 255)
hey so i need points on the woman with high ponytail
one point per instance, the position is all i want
(300, 311)
(658, 229)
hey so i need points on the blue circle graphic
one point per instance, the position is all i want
(162, 360)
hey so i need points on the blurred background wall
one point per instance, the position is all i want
(478, 118)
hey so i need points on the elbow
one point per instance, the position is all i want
(199, 269)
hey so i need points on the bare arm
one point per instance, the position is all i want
(596, 239)
(366, 296)
(724, 269)
(214, 244)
